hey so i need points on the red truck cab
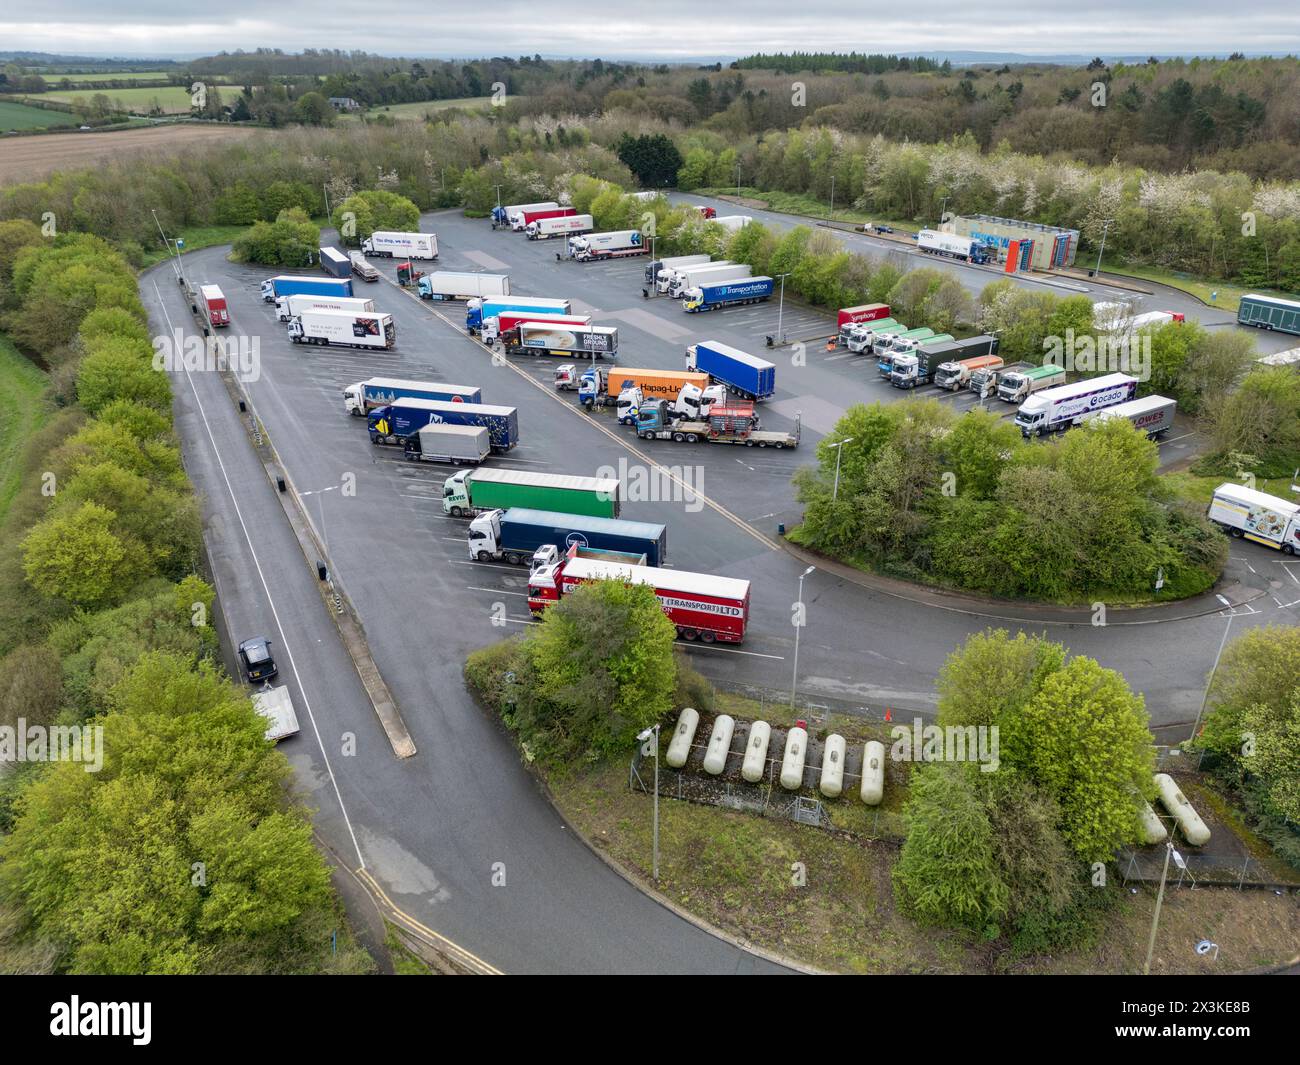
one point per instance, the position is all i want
(213, 302)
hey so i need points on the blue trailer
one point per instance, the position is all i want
(517, 533)
(746, 375)
(365, 396)
(393, 423)
(709, 297)
(478, 310)
(335, 263)
(289, 285)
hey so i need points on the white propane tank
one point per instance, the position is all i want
(873, 772)
(1153, 829)
(679, 747)
(1196, 832)
(796, 750)
(832, 782)
(755, 763)
(715, 758)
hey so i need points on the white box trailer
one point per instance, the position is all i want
(566, 226)
(695, 276)
(392, 244)
(344, 328)
(459, 445)
(454, 285)
(671, 275)
(1058, 408)
(287, 307)
(616, 245)
(654, 270)
(733, 222)
(276, 705)
(1152, 414)
(1268, 520)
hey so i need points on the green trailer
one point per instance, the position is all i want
(471, 491)
(1269, 312)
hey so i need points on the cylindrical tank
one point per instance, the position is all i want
(679, 747)
(755, 763)
(1153, 829)
(1196, 832)
(715, 758)
(832, 782)
(796, 750)
(873, 772)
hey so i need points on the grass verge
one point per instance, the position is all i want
(22, 412)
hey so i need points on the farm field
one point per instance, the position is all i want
(20, 116)
(173, 99)
(415, 112)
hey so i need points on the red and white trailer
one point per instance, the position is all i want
(521, 220)
(507, 321)
(866, 312)
(702, 606)
(212, 302)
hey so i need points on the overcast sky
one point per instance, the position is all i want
(652, 28)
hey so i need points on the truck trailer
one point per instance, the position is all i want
(917, 367)
(364, 396)
(388, 244)
(523, 219)
(735, 423)
(212, 305)
(1257, 516)
(465, 494)
(1152, 414)
(362, 268)
(1055, 409)
(732, 222)
(276, 706)
(335, 263)
(863, 336)
(700, 605)
(453, 285)
(509, 321)
(522, 535)
(958, 372)
(654, 269)
(746, 375)
(476, 310)
(393, 423)
(350, 329)
(950, 245)
(287, 307)
(687, 394)
(570, 225)
(714, 295)
(616, 245)
(865, 312)
(686, 278)
(1269, 312)
(554, 338)
(293, 285)
(459, 445)
(501, 215)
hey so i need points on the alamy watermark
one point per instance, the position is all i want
(241, 355)
(658, 484)
(1085, 353)
(53, 743)
(946, 743)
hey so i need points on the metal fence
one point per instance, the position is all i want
(1202, 870)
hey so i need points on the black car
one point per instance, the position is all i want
(255, 657)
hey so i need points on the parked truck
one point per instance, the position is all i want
(349, 329)
(903, 343)
(508, 321)
(476, 310)
(950, 245)
(569, 225)
(1257, 516)
(459, 445)
(659, 266)
(364, 396)
(714, 295)
(291, 285)
(393, 423)
(984, 381)
(732, 222)
(388, 244)
(521, 536)
(966, 360)
(212, 306)
(688, 395)
(362, 268)
(616, 245)
(684, 278)
(1015, 386)
(848, 317)
(917, 367)
(466, 493)
(1152, 414)
(734, 423)
(863, 336)
(453, 285)
(700, 605)
(554, 338)
(746, 375)
(523, 219)
(501, 215)
(287, 307)
(885, 345)
(335, 263)
(1055, 409)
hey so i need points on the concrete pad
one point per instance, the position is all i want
(488, 262)
(818, 415)
(649, 323)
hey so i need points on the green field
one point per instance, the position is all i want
(415, 112)
(174, 99)
(20, 116)
(21, 414)
(54, 80)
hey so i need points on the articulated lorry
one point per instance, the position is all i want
(287, 307)
(1015, 386)
(364, 396)
(687, 394)
(984, 381)
(732, 222)
(685, 278)
(349, 329)
(952, 246)
(393, 423)
(700, 605)
(212, 306)
(521, 535)
(1152, 414)
(1055, 409)
(465, 494)
(557, 338)
(478, 310)
(522, 220)
(968, 358)
(616, 245)
(335, 263)
(291, 285)
(1257, 516)
(508, 322)
(714, 295)
(654, 270)
(724, 424)
(453, 285)
(848, 317)
(746, 375)
(886, 344)
(459, 445)
(570, 225)
(501, 215)
(362, 268)
(387, 244)
(917, 367)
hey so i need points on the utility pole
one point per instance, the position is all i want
(170, 245)
(794, 679)
(780, 311)
(1214, 668)
(1105, 225)
(839, 450)
(831, 216)
(643, 736)
(1160, 901)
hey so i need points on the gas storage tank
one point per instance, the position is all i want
(679, 747)
(715, 758)
(796, 751)
(755, 763)
(832, 782)
(1196, 832)
(873, 772)
(1153, 829)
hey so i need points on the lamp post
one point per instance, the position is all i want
(830, 217)
(780, 311)
(643, 736)
(794, 679)
(1214, 668)
(1160, 900)
(1105, 225)
(839, 450)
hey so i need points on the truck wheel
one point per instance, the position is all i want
(1288, 549)
(707, 636)
(749, 443)
(678, 437)
(1236, 533)
(778, 446)
(513, 558)
(691, 438)
(455, 512)
(483, 556)
(762, 443)
(689, 634)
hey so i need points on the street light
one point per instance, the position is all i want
(839, 450)
(1160, 899)
(794, 679)
(831, 217)
(1214, 668)
(642, 737)
(1105, 225)
(780, 311)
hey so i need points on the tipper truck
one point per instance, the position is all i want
(735, 423)
(569, 225)
(616, 245)
(1152, 414)
(655, 269)
(287, 307)
(460, 445)
(477, 310)
(1054, 409)
(349, 329)
(501, 215)
(554, 338)
(746, 375)
(1265, 519)
(212, 305)
(714, 295)
(521, 221)
(453, 285)
(393, 423)
(521, 535)
(952, 246)
(362, 268)
(700, 605)
(686, 278)
(465, 494)
(292, 285)
(364, 396)
(335, 263)
(387, 244)
(1015, 386)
